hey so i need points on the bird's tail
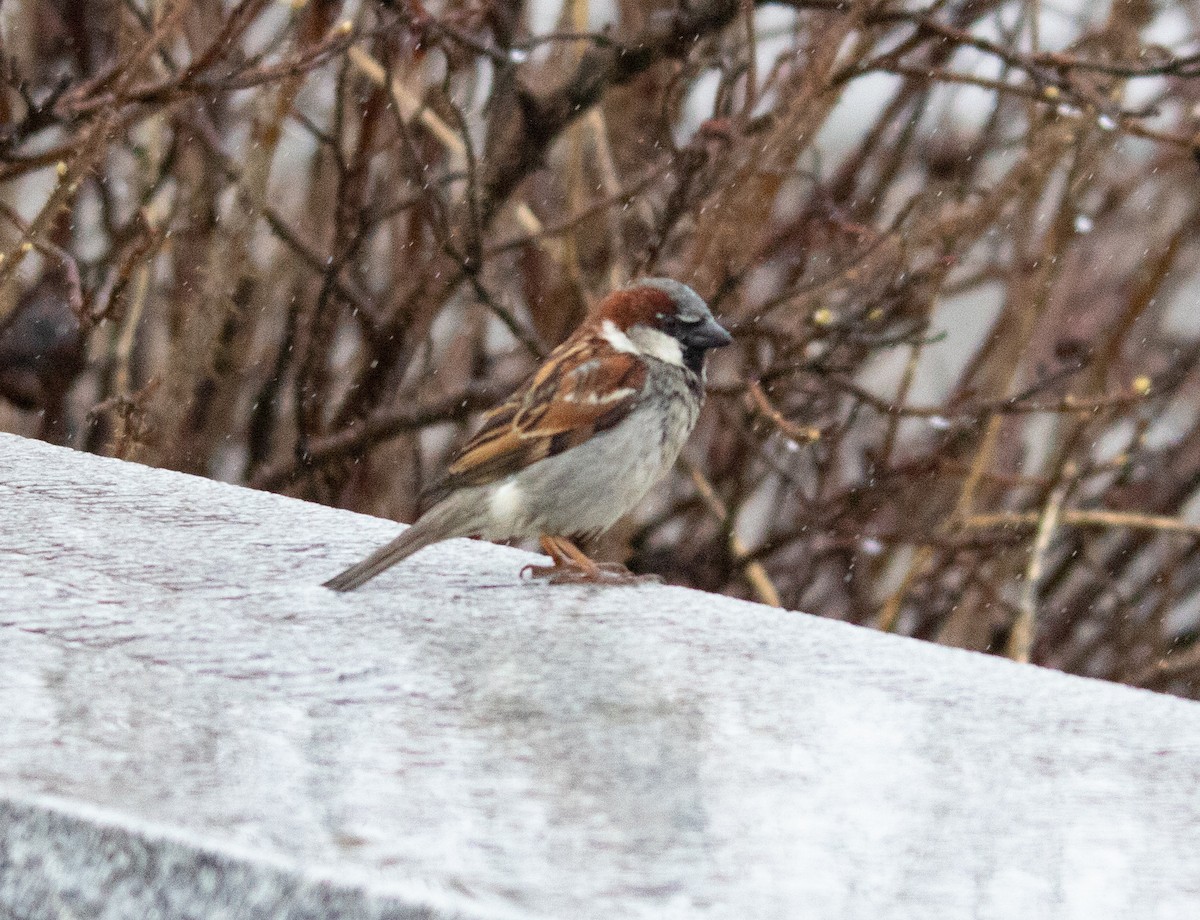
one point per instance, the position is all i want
(438, 523)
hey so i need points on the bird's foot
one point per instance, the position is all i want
(599, 573)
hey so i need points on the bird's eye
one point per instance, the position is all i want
(691, 320)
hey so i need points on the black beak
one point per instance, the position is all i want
(709, 334)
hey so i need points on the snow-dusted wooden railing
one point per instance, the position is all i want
(191, 727)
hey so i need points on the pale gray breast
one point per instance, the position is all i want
(679, 391)
(588, 488)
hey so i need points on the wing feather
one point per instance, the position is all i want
(585, 387)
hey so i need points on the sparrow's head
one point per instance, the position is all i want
(661, 319)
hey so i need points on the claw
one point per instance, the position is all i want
(572, 567)
(569, 573)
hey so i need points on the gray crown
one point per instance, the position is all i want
(691, 305)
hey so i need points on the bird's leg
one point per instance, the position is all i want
(550, 548)
(572, 566)
(565, 567)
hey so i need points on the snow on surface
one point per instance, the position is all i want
(192, 727)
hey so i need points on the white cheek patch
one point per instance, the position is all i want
(617, 339)
(642, 340)
(655, 344)
(506, 503)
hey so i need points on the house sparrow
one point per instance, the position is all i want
(581, 442)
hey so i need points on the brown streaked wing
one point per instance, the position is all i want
(562, 406)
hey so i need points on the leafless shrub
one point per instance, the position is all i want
(304, 245)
